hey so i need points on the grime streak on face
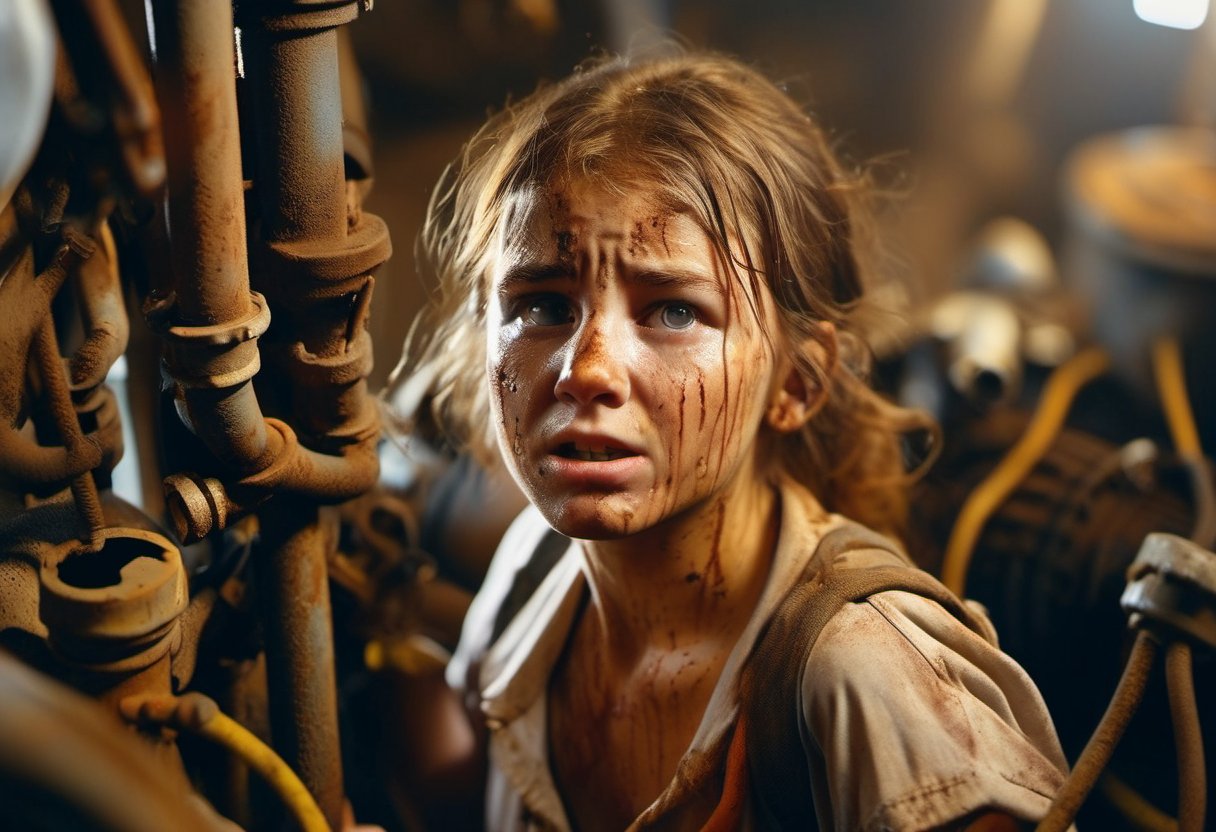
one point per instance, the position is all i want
(604, 310)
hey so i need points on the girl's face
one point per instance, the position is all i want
(630, 371)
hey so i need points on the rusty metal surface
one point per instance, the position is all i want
(56, 741)
(112, 608)
(291, 567)
(25, 298)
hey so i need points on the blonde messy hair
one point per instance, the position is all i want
(720, 141)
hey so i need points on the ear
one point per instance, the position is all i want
(796, 398)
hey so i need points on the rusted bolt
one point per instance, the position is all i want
(1172, 583)
(197, 505)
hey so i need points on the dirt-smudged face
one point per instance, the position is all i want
(629, 372)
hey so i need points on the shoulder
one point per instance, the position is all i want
(919, 718)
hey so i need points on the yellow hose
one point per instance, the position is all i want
(262, 759)
(1171, 386)
(1132, 805)
(199, 714)
(1057, 398)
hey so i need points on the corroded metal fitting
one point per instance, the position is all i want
(116, 609)
(197, 505)
(326, 268)
(292, 15)
(1172, 582)
(347, 367)
(211, 356)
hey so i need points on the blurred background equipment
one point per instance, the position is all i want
(227, 595)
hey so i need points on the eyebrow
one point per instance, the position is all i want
(677, 278)
(533, 273)
(536, 273)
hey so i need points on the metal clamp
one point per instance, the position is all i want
(1172, 582)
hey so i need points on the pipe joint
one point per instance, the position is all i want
(210, 356)
(308, 15)
(320, 268)
(313, 371)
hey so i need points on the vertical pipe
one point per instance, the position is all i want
(195, 78)
(299, 646)
(301, 183)
(301, 193)
(194, 53)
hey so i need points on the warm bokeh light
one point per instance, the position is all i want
(1177, 14)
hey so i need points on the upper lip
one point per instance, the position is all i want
(591, 441)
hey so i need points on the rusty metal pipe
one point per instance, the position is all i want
(318, 273)
(299, 646)
(211, 320)
(194, 53)
(301, 178)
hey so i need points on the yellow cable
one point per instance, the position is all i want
(1142, 814)
(262, 759)
(1171, 386)
(1057, 398)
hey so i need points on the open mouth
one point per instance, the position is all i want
(589, 453)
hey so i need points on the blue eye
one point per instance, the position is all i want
(678, 316)
(547, 310)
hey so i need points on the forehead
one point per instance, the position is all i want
(556, 221)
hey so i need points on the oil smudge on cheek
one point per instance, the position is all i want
(701, 390)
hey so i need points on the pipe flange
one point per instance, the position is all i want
(302, 15)
(226, 333)
(115, 608)
(346, 368)
(359, 429)
(331, 268)
(211, 356)
(1172, 583)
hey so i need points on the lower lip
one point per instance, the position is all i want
(605, 474)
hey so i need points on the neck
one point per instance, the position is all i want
(693, 579)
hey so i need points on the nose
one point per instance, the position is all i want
(594, 369)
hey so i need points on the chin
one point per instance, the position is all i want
(600, 520)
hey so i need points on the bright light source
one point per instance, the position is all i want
(1177, 14)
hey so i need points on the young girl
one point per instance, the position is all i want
(648, 272)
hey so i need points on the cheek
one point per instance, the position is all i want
(722, 403)
(506, 378)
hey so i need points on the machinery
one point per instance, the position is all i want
(183, 221)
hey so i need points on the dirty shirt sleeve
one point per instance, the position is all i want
(914, 721)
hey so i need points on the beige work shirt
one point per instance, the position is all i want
(911, 720)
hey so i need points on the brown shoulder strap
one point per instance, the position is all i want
(778, 772)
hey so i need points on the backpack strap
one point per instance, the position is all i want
(778, 773)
